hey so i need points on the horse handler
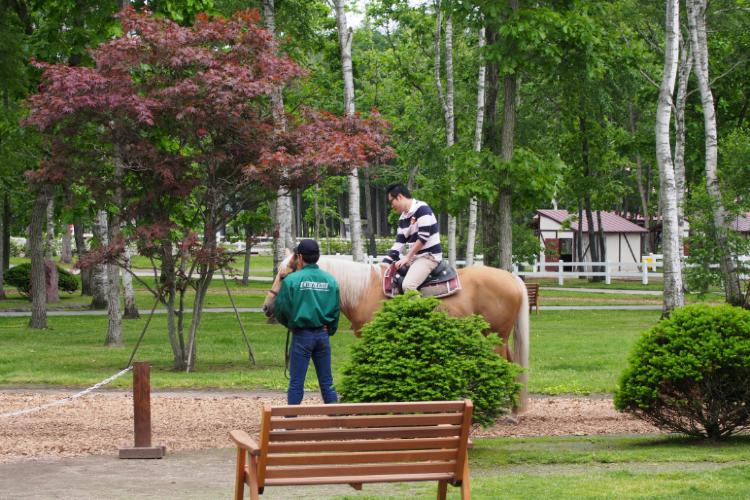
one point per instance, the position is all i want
(308, 304)
(418, 227)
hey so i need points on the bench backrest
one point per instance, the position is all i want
(361, 440)
(532, 289)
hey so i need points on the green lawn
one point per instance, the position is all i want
(601, 467)
(582, 352)
(70, 352)
(578, 352)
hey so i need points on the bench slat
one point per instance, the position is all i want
(367, 421)
(396, 444)
(373, 433)
(361, 458)
(370, 408)
(361, 470)
(393, 478)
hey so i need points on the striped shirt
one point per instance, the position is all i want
(419, 223)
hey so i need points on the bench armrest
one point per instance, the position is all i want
(243, 441)
(469, 444)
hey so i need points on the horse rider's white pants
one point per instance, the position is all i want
(418, 272)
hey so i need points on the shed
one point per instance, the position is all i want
(622, 238)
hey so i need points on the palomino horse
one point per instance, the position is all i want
(498, 296)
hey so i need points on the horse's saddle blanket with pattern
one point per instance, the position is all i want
(442, 282)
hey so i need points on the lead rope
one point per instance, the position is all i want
(286, 355)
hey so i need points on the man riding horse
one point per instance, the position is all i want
(418, 227)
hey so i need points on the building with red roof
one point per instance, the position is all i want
(622, 238)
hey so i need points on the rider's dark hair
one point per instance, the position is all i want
(396, 189)
(310, 258)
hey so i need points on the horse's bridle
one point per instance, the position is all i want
(281, 278)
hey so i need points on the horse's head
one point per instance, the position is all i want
(292, 263)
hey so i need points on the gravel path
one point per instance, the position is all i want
(99, 424)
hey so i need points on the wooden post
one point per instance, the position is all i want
(142, 404)
(142, 416)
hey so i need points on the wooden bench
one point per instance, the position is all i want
(363, 443)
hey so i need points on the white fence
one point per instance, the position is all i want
(645, 270)
(649, 267)
(551, 269)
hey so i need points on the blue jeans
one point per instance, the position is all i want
(308, 344)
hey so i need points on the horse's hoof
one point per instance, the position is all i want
(511, 420)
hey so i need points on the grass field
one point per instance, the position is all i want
(611, 467)
(577, 352)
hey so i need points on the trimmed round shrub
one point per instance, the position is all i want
(411, 351)
(691, 373)
(20, 277)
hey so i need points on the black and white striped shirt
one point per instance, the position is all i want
(419, 223)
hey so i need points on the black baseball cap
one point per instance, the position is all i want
(307, 247)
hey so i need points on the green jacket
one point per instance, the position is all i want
(309, 298)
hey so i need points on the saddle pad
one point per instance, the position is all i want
(443, 289)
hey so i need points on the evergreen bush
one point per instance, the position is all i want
(691, 373)
(411, 351)
(20, 277)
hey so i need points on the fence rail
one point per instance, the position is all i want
(649, 267)
(645, 270)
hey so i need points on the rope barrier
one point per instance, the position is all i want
(82, 393)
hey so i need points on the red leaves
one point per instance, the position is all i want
(185, 113)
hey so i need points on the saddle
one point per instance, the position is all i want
(442, 281)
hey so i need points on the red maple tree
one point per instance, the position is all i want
(174, 130)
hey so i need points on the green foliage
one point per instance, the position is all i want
(704, 243)
(691, 373)
(344, 246)
(20, 277)
(412, 351)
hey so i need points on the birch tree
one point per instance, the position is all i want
(282, 229)
(345, 40)
(685, 68)
(696, 14)
(673, 291)
(49, 243)
(446, 102)
(81, 252)
(472, 236)
(99, 278)
(131, 308)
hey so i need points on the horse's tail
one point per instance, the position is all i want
(521, 345)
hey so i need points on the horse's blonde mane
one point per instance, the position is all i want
(354, 278)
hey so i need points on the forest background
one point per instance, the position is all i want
(496, 108)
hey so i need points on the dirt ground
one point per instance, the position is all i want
(70, 451)
(99, 424)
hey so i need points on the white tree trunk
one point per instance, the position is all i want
(99, 275)
(50, 240)
(283, 220)
(345, 39)
(696, 10)
(131, 308)
(673, 292)
(317, 216)
(446, 102)
(472, 236)
(685, 68)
